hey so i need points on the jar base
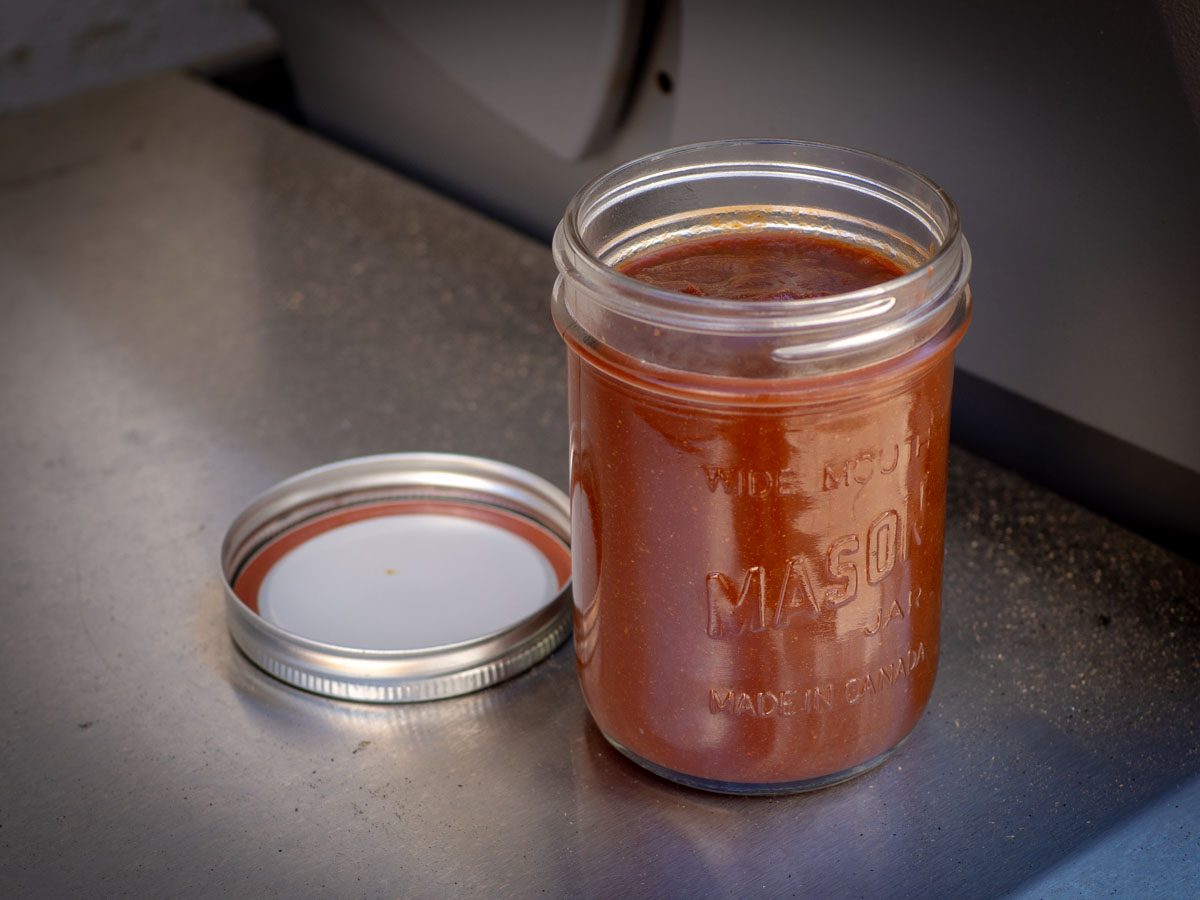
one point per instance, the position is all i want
(751, 789)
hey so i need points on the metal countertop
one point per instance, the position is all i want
(198, 300)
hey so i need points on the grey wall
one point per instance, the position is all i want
(1064, 133)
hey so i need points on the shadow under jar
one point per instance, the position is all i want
(758, 485)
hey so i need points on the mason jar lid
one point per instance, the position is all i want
(398, 578)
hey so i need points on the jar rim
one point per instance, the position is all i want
(836, 324)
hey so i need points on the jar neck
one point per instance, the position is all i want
(768, 187)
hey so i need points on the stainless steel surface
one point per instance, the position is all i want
(199, 301)
(418, 672)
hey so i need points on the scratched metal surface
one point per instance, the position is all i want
(197, 300)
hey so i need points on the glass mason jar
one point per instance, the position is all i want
(758, 488)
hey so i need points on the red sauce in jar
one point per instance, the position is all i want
(757, 577)
(762, 267)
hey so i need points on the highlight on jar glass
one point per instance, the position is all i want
(760, 345)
